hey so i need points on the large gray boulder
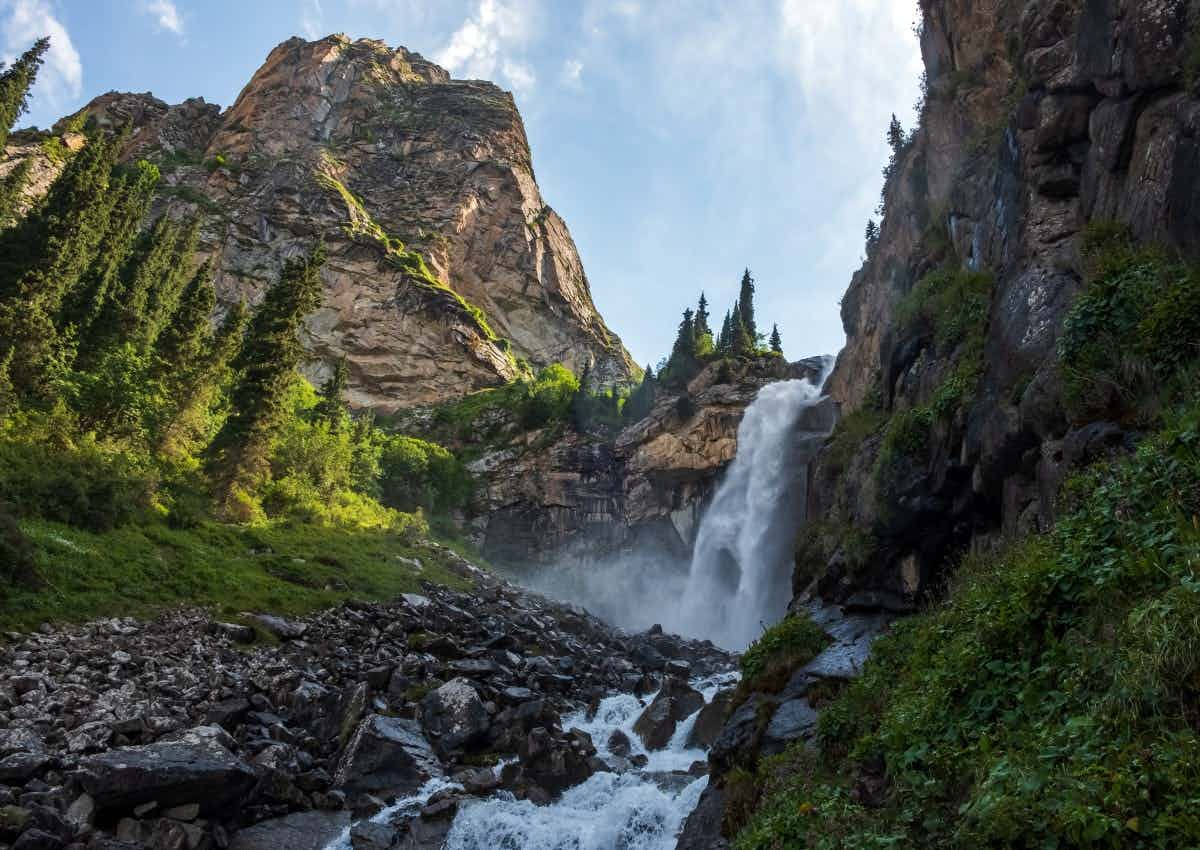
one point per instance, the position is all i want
(301, 831)
(196, 766)
(386, 757)
(454, 716)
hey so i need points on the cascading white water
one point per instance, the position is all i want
(740, 573)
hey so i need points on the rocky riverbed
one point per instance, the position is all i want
(365, 725)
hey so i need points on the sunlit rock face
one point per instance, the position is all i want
(354, 142)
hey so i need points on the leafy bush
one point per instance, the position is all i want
(538, 403)
(1137, 322)
(417, 474)
(793, 641)
(16, 555)
(953, 302)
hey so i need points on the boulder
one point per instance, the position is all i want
(386, 757)
(197, 766)
(280, 627)
(454, 716)
(710, 720)
(793, 720)
(301, 831)
(549, 764)
(674, 702)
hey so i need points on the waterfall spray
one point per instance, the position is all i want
(740, 575)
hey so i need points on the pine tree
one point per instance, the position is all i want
(188, 335)
(685, 340)
(331, 408)
(776, 341)
(12, 185)
(742, 343)
(702, 317)
(239, 455)
(895, 136)
(641, 400)
(872, 233)
(165, 292)
(126, 313)
(725, 340)
(15, 83)
(745, 308)
(133, 195)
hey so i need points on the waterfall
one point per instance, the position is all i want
(740, 575)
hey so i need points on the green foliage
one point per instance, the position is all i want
(16, 556)
(240, 454)
(284, 567)
(15, 82)
(792, 642)
(1050, 702)
(419, 475)
(952, 302)
(539, 403)
(12, 187)
(1137, 322)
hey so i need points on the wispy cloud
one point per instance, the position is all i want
(312, 19)
(572, 73)
(489, 44)
(22, 22)
(166, 15)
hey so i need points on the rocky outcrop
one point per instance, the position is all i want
(585, 495)
(1040, 117)
(178, 733)
(380, 153)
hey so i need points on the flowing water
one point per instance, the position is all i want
(738, 580)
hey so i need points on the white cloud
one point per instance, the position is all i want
(572, 73)
(490, 43)
(166, 15)
(312, 19)
(24, 22)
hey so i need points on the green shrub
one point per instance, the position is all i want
(1136, 323)
(418, 474)
(792, 642)
(953, 302)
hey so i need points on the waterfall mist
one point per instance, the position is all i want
(738, 580)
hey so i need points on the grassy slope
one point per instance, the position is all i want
(141, 568)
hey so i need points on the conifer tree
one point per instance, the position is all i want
(776, 341)
(15, 83)
(872, 233)
(745, 308)
(725, 340)
(895, 136)
(239, 455)
(164, 294)
(11, 187)
(182, 345)
(685, 340)
(702, 317)
(125, 316)
(742, 343)
(641, 400)
(331, 408)
(133, 195)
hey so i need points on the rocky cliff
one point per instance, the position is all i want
(1039, 118)
(446, 267)
(560, 493)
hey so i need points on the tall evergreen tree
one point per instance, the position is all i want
(239, 455)
(641, 400)
(133, 195)
(745, 308)
(126, 311)
(11, 187)
(895, 136)
(15, 83)
(702, 317)
(182, 345)
(776, 341)
(725, 339)
(165, 292)
(331, 408)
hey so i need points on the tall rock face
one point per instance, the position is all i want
(446, 267)
(1040, 117)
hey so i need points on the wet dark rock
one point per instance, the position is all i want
(196, 767)
(619, 744)
(549, 764)
(702, 829)
(228, 713)
(19, 768)
(792, 721)
(367, 835)
(386, 757)
(300, 831)
(676, 701)
(710, 720)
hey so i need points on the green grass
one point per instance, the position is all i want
(780, 651)
(142, 568)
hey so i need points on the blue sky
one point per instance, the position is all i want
(682, 140)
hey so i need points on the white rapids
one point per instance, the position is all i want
(636, 810)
